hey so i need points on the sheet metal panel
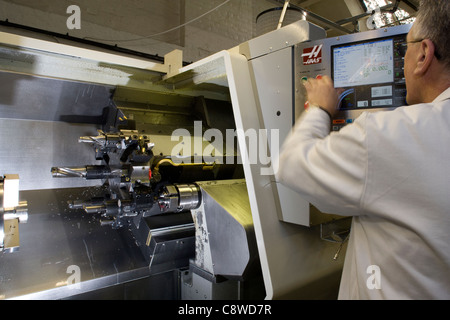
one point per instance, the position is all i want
(56, 240)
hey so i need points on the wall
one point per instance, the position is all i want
(120, 21)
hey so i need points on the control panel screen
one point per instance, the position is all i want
(371, 72)
(365, 63)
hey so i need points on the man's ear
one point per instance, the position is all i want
(424, 57)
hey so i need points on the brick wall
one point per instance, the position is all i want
(118, 20)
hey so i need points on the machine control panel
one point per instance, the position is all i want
(367, 65)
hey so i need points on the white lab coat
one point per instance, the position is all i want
(391, 171)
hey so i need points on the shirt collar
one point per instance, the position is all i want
(443, 96)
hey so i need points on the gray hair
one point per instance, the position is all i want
(433, 19)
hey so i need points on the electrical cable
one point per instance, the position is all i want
(163, 32)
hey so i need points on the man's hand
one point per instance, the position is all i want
(321, 92)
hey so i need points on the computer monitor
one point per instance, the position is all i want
(371, 72)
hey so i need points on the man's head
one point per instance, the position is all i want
(427, 60)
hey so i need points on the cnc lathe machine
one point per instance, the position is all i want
(126, 178)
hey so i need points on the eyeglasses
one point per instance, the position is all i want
(402, 47)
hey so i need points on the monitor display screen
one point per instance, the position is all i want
(371, 72)
(364, 64)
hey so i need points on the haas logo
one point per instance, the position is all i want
(312, 55)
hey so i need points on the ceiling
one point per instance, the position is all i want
(345, 16)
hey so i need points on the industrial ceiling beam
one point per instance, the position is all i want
(338, 25)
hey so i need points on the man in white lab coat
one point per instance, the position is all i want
(389, 170)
